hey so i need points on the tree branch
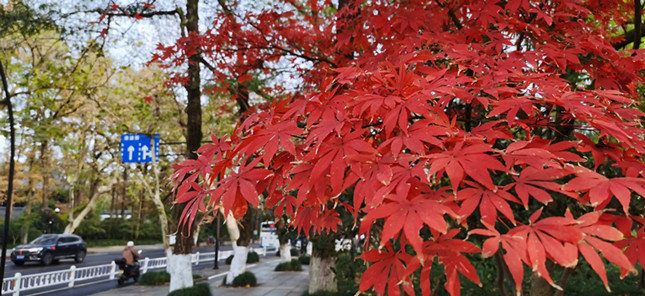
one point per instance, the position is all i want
(500, 274)
(630, 36)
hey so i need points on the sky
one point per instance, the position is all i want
(131, 42)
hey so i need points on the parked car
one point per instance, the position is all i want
(48, 248)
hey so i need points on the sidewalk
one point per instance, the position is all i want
(270, 283)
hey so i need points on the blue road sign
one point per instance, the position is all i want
(138, 148)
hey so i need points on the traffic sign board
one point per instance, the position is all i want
(138, 148)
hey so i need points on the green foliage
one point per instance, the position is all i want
(349, 269)
(154, 278)
(201, 289)
(304, 259)
(91, 226)
(295, 252)
(246, 279)
(584, 282)
(252, 257)
(23, 19)
(92, 229)
(293, 265)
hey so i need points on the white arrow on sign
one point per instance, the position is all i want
(130, 151)
(146, 152)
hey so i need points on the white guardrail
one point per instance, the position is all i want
(20, 283)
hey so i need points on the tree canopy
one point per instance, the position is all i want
(512, 123)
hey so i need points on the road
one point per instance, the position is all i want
(91, 260)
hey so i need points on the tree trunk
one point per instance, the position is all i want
(25, 227)
(285, 247)
(539, 286)
(321, 268)
(124, 191)
(238, 265)
(139, 216)
(44, 157)
(156, 200)
(180, 269)
(72, 197)
(285, 252)
(321, 274)
(112, 201)
(30, 196)
(94, 196)
(234, 234)
(241, 247)
(184, 243)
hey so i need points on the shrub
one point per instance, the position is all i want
(246, 279)
(295, 252)
(304, 259)
(320, 293)
(201, 289)
(154, 278)
(294, 265)
(252, 257)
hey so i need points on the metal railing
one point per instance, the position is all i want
(20, 283)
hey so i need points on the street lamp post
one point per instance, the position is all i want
(50, 222)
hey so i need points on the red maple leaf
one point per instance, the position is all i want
(489, 202)
(465, 159)
(387, 270)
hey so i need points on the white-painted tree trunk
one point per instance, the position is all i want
(285, 252)
(321, 275)
(238, 265)
(231, 226)
(180, 268)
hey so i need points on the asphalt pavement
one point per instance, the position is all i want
(93, 258)
(96, 256)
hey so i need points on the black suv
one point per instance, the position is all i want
(48, 248)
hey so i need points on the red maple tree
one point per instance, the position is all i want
(451, 121)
